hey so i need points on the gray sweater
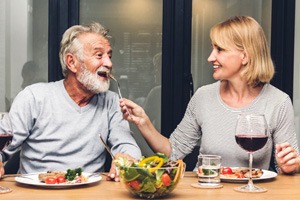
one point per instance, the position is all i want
(210, 122)
(54, 133)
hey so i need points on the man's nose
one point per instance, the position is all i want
(107, 62)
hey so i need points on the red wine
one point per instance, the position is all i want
(250, 142)
(5, 139)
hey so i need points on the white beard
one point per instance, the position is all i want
(91, 81)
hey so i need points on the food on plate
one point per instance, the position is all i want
(72, 174)
(240, 172)
(57, 177)
(50, 175)
(152, 176)
(226, 170)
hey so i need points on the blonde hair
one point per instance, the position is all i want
(71, 44)
(243, 33)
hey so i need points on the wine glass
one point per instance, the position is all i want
(251, 134)
(6, 135)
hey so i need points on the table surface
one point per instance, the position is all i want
(281, 187)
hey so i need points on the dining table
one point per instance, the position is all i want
(280, 187)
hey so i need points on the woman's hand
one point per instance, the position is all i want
(1, 169)
(137, 113)
(287, 158)
(156, 141)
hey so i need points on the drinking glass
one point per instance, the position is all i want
(6, 135)
(209, 170)
(251, 135)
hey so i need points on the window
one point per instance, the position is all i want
(207, 13)
(23, 46)
(136, 30)
(297, 72)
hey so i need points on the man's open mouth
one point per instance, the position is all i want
(103, 74)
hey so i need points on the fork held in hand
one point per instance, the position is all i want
(108, 74)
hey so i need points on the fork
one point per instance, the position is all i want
(106, 147)
(108, 74)
(27, 176)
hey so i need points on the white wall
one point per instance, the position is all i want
(18, 42)
(15, 47)
(2, 55)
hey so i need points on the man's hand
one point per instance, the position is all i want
(113, 174)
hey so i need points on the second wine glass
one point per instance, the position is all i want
(251, 135)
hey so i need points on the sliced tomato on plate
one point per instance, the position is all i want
(51, 180)
(61, 179)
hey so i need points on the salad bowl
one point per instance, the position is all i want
(151, 177)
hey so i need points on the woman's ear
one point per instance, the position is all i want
(71, 62)
(245, 58)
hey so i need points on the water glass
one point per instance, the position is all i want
(209, 170)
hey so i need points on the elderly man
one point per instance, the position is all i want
(57, 125)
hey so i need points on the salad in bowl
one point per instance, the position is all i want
(150, 177)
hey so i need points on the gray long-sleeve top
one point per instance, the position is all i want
(210, 122)
(54, 133)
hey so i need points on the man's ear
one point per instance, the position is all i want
(71, 62)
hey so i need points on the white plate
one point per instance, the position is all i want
(266, 175)
(32, 179)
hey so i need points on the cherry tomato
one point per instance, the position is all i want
(166, 179)
(135, 184)
(226, 170)
(60, 179)
(50, 180)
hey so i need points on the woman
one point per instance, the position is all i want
(243, 67)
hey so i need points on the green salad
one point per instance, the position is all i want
(151, 176)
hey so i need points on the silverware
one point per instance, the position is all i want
(8, 175)
(95, 174)
(109, 75)
(107, 147)
(27, 176)
(11, 175)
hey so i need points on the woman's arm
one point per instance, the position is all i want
(156, 141)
